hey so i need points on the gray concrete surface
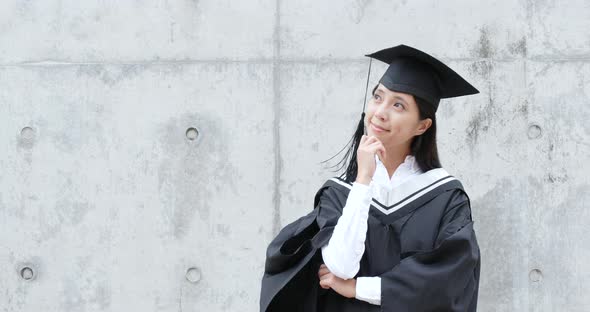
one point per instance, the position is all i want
(152, 149)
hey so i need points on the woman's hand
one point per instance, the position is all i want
(365, 158)
(346, 288)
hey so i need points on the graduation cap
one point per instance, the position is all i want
(418, 73)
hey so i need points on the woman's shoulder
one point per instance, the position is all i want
(335, 188)
(454, 191)
(442, 174)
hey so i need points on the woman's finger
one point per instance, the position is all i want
(367, 143)
(374, 139)
(370, 139)
(326, 276)
(382, 152)
(377, 147)
(327, 280)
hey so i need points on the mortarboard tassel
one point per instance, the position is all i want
(362, 123)
(351, 170)
(360, 131)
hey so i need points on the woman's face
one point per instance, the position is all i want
(394, 118)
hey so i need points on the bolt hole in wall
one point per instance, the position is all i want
(192, 133)
(27, 273)
(26, 139)
(27, 133)
(535, 275)
(534, 132)
(193, 275)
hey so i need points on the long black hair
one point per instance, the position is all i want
(423, 147)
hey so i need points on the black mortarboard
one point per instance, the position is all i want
(413, 71)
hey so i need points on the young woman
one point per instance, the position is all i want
(394, 232)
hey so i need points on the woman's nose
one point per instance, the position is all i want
(380, 113)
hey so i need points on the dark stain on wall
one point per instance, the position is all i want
(361, 6)
(483, 48)
(481, 120)
(519, 47)
(498, 223)
(192, 172)
(68, 210)
(524, 107)
(479, 123)
(482, 68)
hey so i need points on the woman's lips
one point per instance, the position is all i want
(377, 129)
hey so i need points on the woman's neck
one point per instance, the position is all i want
(395, 157)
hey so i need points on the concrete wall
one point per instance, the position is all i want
(150, 150)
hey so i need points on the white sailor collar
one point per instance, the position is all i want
(404, 171)
(415, 186)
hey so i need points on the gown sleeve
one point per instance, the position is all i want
(445, 278)
(290, 281)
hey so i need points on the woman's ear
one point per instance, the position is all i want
(423, 126)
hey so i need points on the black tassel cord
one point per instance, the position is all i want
(354, 142)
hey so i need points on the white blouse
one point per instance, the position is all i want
(345, 249)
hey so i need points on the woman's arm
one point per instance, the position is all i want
(362, 288)
(345, 249)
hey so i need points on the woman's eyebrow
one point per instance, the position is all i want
(399, 98)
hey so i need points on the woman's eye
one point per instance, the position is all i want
(376, 96)
(400, 105)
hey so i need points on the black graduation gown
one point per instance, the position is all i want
(423, 246)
